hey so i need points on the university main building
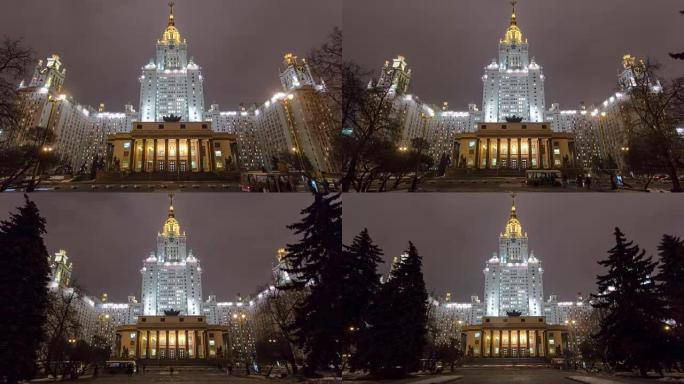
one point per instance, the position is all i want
(172, 319)
(172, 132)
(514, 129)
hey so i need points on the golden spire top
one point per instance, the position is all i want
(513, 227)
(171, 34)
(513, 33)
(171, 225)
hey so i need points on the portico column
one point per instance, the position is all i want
(134, 149)
(130, 155)
(195, 346)
(529, 152)
(147, 344)
(166, 155)
(144, 156)
(549, 154)
(176, 333)
(166, 346)
(156, 342)
(477, 153)
(518, 347)
(498, 152)
(177, 155)
(200, 150)
(519, 152)
(488, 154)
(137, 344)
(154, 161)
(210, 149)
(187, 343)
(189, 141)
(540, 165)
(508, 152)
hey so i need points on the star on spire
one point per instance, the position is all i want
(171, 214)
(171, 19)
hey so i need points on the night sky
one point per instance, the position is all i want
(448, 43)
(103, 44)
(457, 233)
(108, 235)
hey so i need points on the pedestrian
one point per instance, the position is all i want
(143, 368)
(588, 182)
(171, 371)
(579, 180)
(95, 370)
(230, 369)
(129, 369)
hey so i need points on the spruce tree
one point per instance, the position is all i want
(394, 338)
(315, 264)
(360, 283)
(23, 292)
(671, 288)
(631, 330)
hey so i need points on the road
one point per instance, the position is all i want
(522, 376)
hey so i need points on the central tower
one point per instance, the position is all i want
(171, 84)
(513, 86)
(513, 278)
(171, 276)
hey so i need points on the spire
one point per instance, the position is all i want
(172, 22)
(513, 20)
(171, 205)
(513, 215)
(513, 227)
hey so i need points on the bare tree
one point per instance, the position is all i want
(277, 316)
(652, 113)
(62, 330)
(14, 60)
(35, 154)
(368, 122)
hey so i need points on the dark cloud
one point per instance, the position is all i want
(457, 233)
(579, 43)
(107, 235)
(104, 43)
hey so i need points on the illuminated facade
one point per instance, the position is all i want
(171, 276)
(513, 277)
(515, 337)
(171, 84)
(514, 146)
(513, 86)
(171, 337)
(172, 148)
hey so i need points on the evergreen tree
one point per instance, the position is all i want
(23, 292)
(632, 330)
(671, 288)
(395, 335)
(315, 263)
(361, 281)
